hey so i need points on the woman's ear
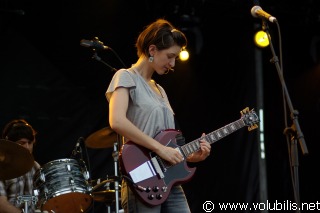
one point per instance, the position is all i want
(152, 49)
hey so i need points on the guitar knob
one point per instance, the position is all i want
(159, 196)
(150, 197)
(155, 188)
(148, 189)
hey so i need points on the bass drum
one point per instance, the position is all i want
(62, 187)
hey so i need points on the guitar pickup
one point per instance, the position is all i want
(157, 167)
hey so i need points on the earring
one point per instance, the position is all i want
(151, 59)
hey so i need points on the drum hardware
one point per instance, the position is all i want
(15, 160)
(106, 182)
(106, 138)
(108, 195)
(26, 199)
(103, 191)
(116, 182)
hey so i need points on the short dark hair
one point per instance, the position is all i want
(162, 34)
(18, 129)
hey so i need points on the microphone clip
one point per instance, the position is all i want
(77, 151)
(95, 44)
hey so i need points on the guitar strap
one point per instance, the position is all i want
(176, 123)
(179, 138)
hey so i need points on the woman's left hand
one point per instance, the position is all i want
(203, 152)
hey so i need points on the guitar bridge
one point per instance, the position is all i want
(157, 167)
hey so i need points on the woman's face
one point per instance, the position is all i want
(165, 60)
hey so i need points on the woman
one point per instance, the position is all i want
(139, 109)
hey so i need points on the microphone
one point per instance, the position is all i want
(78, 150)
(77, 155)
(257, 12)
(95, 44)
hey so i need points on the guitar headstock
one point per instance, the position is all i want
(250, 118)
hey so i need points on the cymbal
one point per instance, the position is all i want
(103, 138)
(15, 160)
(106, 196)
(98, 183)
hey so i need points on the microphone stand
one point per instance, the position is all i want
(116, 181)
(95, 56)
(294, 132)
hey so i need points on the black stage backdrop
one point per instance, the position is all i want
(56, 84)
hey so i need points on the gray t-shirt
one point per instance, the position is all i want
(147, 110)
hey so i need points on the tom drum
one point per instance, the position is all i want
(62, 186)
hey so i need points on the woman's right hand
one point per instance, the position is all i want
(170, 154)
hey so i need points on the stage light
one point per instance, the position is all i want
(261, 39)
(184, 55)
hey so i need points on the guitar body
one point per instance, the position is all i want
(154, 190)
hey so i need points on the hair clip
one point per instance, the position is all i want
(20, 124)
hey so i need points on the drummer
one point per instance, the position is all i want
(22, 133)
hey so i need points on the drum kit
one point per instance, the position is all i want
(64, 185)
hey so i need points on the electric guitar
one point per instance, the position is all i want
(151, 178)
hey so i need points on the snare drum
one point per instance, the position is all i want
(62, 186)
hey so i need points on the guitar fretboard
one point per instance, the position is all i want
(212, 137)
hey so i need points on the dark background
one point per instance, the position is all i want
(54, 83)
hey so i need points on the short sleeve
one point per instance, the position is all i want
(122, 78)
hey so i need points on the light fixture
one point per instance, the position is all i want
(184, 55)
(261, 39)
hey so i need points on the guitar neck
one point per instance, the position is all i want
(212, 137)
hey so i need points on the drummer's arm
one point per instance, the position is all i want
(7, 207)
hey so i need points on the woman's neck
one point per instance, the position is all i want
(143, 67)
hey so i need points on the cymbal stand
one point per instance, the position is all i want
(115, 155)
(25, 199)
